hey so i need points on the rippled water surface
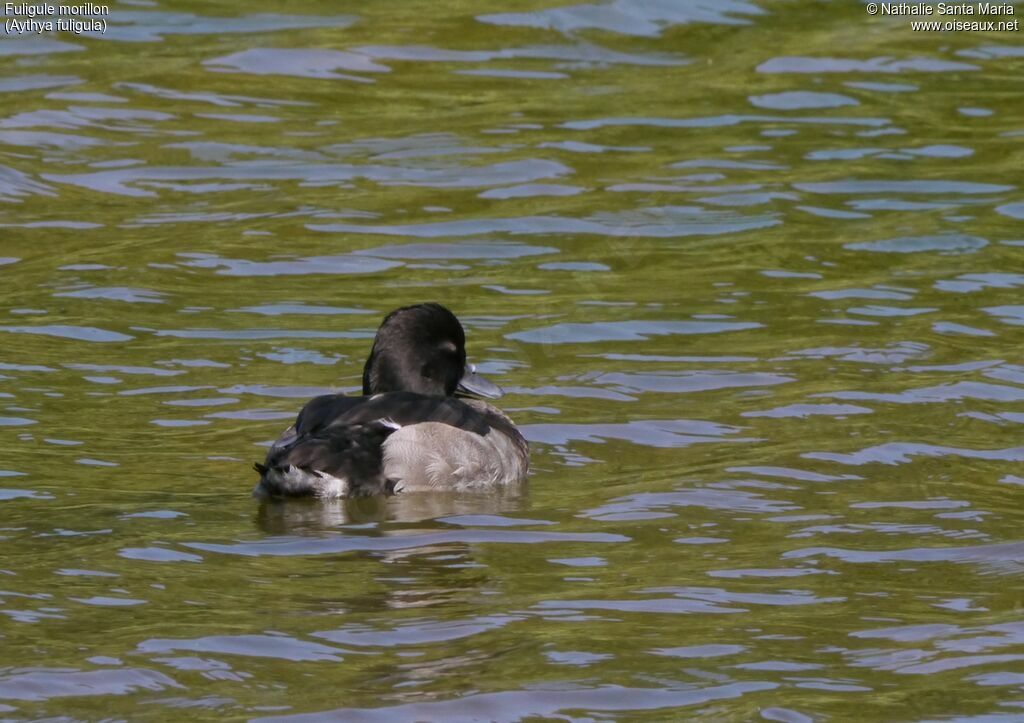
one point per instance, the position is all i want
(749, 272)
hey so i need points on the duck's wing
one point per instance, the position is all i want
(323, 411)
(407, 408)
(315, 416)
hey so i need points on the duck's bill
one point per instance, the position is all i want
(474, 385)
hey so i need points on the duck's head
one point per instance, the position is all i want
(422, 349)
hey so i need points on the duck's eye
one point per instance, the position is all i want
(447, 347)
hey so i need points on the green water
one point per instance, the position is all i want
(749, 273)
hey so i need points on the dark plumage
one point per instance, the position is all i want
(408, 431)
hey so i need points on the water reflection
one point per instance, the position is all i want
(44, 684)
(303, 516)
(495, 706)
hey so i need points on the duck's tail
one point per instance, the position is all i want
(343, 461)
(292, 481)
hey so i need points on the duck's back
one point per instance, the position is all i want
(394, 442)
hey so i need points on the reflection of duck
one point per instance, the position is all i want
(408, 432)
(296, 517)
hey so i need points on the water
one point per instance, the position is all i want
(750, 274)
